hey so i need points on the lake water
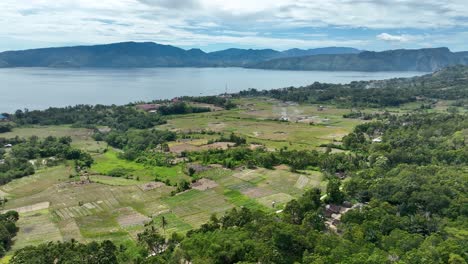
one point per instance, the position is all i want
(39, 88)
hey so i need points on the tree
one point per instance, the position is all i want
(164, 223)
(314, 220)
(334, 194)
(152, 239)
(310, 200)
(293, 212)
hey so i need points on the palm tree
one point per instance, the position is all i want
(164, 223)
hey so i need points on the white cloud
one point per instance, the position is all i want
(245, 22)
(393, 38)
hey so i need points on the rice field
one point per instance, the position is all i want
(54, 206)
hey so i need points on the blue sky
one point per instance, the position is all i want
(218, 24)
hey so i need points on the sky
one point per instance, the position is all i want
(218, 24)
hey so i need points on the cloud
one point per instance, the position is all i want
(392, 38)
(172, 4)
(254, 23)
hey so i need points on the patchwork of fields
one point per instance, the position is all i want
(54, 206)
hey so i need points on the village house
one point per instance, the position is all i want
(331, 209)
(3, 118)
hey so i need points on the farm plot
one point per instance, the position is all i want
(85, 209)
(128, 217)
(189, 146)
(281, 181)
(204, 184)
(174, 223)
(275, 201)
(115, 181)
(252, 176)
(101, 226)
(36, 228)
(30, 208)
(110, 161)
(36, 183)
(195, 207)
(70, 230)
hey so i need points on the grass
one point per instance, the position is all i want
(36, 183)
(240, 200)
(174, 223)
(115, 181)
(105, 163)
(35, 227)
(195, 207)
(5, 259)
(279, 199)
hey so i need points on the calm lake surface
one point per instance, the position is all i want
(39, 88)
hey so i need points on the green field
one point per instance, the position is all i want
(57, 207)
(258, 121)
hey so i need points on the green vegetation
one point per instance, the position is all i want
(266, 182)
(68, 252)
(448, 84)
(25, 154)
(8, 230)
(119, 117)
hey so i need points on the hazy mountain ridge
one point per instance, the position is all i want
(392, 60)
(149, 54)
(146, 54)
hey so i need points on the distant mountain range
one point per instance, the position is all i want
(392, 60)
(148, 54)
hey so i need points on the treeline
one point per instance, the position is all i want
(296, 159)
(148, 147)
(68, 252)
(8, 230)
(116, 117)
(214, 100)
(180, 108)
(138, 140)
(449, 83)
(5, 127)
